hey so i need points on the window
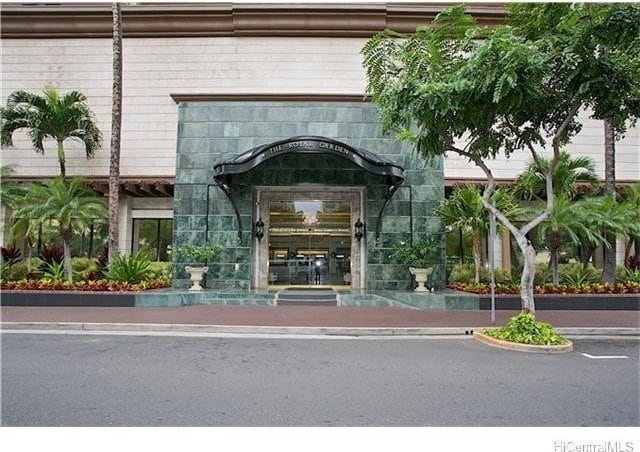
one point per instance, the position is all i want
(154, 236)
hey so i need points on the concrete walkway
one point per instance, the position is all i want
(307, 319)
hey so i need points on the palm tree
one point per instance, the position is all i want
(578, 222)
(50, 116)
(631, 200)
(116, 123)
(464, 210)
(69, 202)
(8, 191)
(568, 173)
(609, 265)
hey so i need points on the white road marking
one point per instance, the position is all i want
(586, 355)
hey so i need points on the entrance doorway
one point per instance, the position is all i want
(308, 238)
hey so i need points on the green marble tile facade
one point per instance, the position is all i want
(210, 132)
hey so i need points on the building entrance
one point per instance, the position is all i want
(309, 238)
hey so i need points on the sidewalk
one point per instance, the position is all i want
(307, 320)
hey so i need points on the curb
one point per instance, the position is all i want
(493, 342)
(588, 332)
(240, 329)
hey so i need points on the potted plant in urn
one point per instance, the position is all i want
(199, 254)
(419, 256)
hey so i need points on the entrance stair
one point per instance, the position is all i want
(306, 297)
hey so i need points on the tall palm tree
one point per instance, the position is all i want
(609, 264)
(116, 123)
(568, 173)
(51, 115)
(69, 202)
(464, 210)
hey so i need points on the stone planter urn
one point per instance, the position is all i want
(421, 276)
(197, 274)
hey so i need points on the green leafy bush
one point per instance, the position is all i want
(159, 270)
(524, 329)
(200, 254)
(629, 275)
(20, 270)
(83, 267)
(541, 274)
(131, 268)
(53, 271)
(465, 274)
(577, 275)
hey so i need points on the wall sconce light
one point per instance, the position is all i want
(359, 226)
(259, 229)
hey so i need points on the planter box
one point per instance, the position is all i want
(64, 298)
(587, 302)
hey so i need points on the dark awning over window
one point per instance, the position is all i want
(366, 160)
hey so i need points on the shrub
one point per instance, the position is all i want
(200, 254)
(83, 268)
(20, 270)
(52, 253)
(54, 271)
(633, 262)
(131, 269)
(629, 275)
(465, 273)
(524, 329)
(10, 254)
(577, 275)
(541, 274)
(159, 270)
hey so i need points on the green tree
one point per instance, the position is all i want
(569, 171)
(631, 200)
(582, 222)
(67, 201)
(604, 39)
(50, 116)
(495, 91)
(464, 210)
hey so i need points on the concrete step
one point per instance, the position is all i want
(306, 297)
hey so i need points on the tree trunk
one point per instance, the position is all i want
(528, 275)
(116, 122)
(609, 264)
(554, 266)
(61, 159)
(477, 257)
(67, 260)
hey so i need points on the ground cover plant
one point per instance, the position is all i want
(524, 329)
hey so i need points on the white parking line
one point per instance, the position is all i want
(586, 355)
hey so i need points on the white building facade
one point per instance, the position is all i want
(192, 53)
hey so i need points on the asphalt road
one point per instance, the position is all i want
(110, 380)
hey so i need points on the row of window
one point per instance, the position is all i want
(150, 235)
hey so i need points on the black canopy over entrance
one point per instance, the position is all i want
(368, 161)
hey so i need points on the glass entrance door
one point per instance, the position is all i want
(309, 243)
(308, 239)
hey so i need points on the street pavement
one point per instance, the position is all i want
(115, 380)
(312, 316)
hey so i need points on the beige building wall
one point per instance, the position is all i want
(156, 67)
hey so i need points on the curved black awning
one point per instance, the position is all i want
(368, 161)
